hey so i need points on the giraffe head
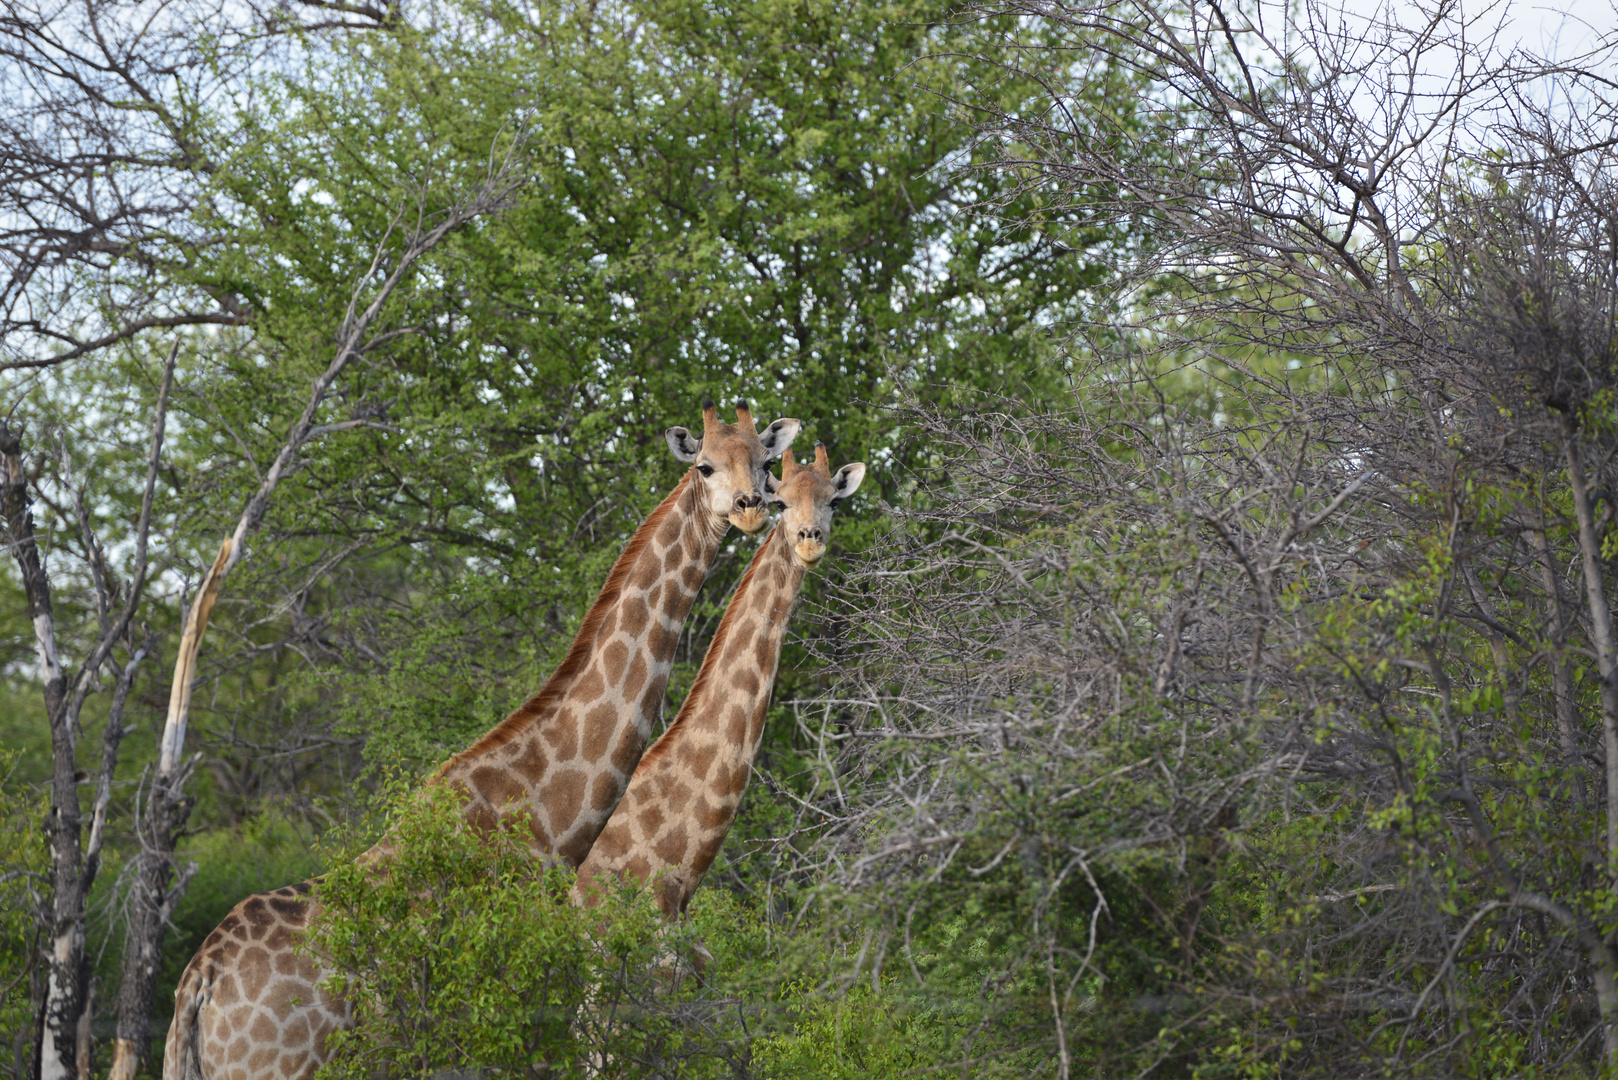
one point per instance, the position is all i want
(807, 494)
(731, 462)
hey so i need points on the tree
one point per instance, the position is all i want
(103, 188)
(63, 1038)
(1282, 650)
(62, 1045)
(776, 197)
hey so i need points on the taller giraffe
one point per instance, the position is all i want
(683, 798)
(247, 1006)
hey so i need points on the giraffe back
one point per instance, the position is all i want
(248, 1006)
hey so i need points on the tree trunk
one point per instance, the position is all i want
(86, 1018)
(151, 902)
(1601, 972)
(55, 1056)
(1600, 630)
(166, 811)
(1567, 719)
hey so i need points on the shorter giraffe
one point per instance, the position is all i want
(684, 795)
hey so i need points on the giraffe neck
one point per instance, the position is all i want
(564, 757)
(684, 795)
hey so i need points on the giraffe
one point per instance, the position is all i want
(248, 1006)
(684, 795)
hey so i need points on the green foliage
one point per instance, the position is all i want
(863, 1034)
(23, 869)
(765, 199)
(462, 951)
(439, 689)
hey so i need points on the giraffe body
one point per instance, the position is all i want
(684, 795)
(247, 1007)
(249, 959)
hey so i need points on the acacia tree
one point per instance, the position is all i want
(1285, 653)
(773, 206)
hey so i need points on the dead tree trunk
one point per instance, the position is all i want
(63, 1034)
(167, 807)
(1601, 636)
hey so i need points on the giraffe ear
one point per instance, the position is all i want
(846, 481)
(771, 487)
(685, 445)
(779, 435)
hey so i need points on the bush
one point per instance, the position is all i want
(465, 952)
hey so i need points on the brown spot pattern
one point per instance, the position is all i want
(635, 677)
(614, 660)
(627, 753)
(564, 740)
(573, 850)
(604, 793)
(532, 762)
(498, 787)
(660, 639)
(591, 686)
(650, 818)
(651, 701)
(564, 796)
(632, 617)
(599, 723)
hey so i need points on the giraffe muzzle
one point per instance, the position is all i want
(809, 550)
(750, 515)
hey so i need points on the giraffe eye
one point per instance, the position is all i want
(705, 470)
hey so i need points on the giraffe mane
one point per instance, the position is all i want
(578, 654)
(710, 663)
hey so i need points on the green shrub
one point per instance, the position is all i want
(861, 1035)
(464, 952)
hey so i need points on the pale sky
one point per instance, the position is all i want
(1561, 30)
